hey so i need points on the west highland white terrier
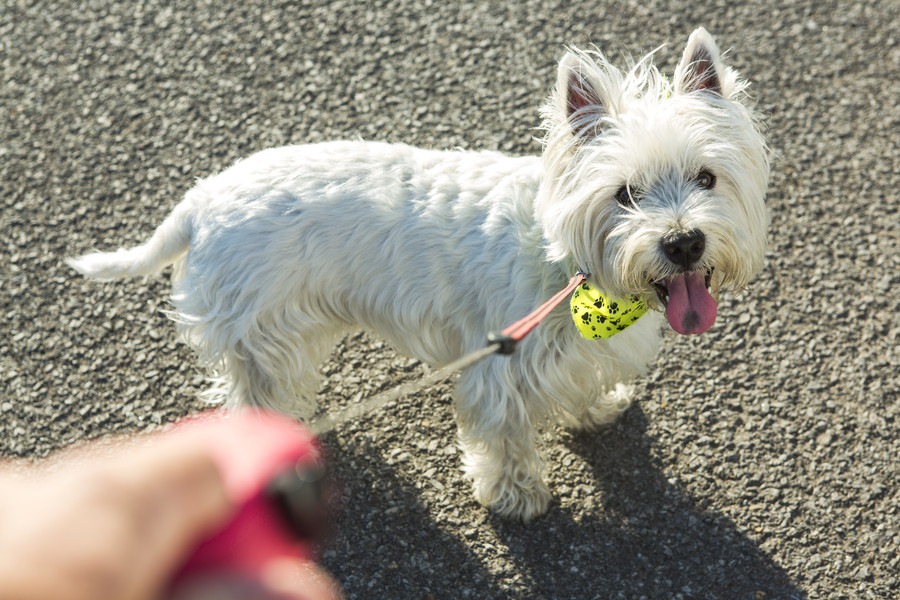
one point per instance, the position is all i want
(654, 186)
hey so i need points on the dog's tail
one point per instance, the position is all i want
(168, 242)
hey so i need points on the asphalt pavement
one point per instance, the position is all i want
(760, 460)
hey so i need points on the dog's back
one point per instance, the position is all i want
(287, 249)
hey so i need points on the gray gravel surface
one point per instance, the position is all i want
(760, 460)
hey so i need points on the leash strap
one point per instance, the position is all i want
(504, 342)
(327, 422)
(510, 337)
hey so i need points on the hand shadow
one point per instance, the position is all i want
(646, 540)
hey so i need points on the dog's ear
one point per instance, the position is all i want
(580, 94)
(700, 67)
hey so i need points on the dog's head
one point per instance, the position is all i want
(656, 187)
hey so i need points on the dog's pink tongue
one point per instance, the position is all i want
(691, 308)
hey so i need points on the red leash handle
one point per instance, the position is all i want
(272, 473)
(510, 337)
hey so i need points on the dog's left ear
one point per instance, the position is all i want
(700, 67)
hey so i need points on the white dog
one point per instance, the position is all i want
(655, 187)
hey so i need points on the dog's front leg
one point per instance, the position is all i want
(498, 440)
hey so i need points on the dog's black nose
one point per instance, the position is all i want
(684, 248)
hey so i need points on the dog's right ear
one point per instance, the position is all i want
(579, 94)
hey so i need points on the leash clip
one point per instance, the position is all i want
(506, 344)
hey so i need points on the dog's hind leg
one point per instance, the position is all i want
(499, 445)
(274, 369)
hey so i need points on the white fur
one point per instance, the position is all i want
(281, 254)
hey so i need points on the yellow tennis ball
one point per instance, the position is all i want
(599, 317)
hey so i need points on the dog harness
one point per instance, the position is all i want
(598, 316)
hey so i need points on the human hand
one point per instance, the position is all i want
(115, 519)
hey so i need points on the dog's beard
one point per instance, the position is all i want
(632, 261)
(622, 249)
(626, 260)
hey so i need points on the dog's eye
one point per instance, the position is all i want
(705, 180)
(625, 197)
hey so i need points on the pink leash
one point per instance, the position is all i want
(504, 342)
(510, 337)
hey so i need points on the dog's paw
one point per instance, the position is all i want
(516, 500)
(604, 410)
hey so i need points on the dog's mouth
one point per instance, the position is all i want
(690, 307)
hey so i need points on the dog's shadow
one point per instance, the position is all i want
(647, 540)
